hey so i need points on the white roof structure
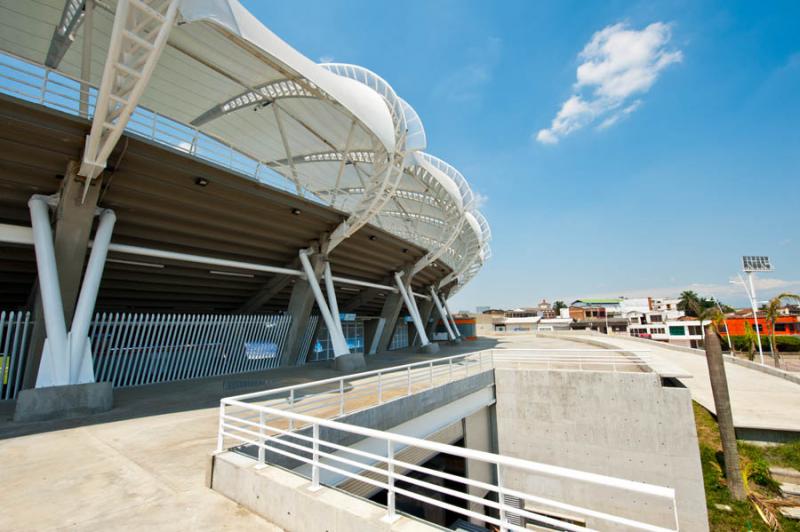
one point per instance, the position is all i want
(337, 133)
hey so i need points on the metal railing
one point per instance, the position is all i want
(277, 423)
(343, 395)
(35, 83)
(615, 360)
(15, 330)
(347, 394)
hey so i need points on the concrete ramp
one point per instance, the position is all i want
(424, 426)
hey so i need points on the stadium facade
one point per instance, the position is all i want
(185, 195)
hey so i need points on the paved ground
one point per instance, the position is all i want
(142, 466)
(759, 400)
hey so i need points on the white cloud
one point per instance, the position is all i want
(480, 200)
(326, 59)
(617, 64)
(619, 115)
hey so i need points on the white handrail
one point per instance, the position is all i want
(256, 435)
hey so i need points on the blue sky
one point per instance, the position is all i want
(701, 164)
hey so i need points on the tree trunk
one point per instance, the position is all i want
(776, 357)
(722, 402)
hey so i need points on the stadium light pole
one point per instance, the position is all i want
(751, 265)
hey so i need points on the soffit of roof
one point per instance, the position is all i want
(360, 100)
(442, 178)
(474, 225)
(183, 86)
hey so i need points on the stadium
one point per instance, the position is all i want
(185, 195)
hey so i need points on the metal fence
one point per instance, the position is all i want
(14, 338)
(353, 335)
(400, 336)
(135, 349)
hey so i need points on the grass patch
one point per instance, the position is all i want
(786, 455)
(743, 515)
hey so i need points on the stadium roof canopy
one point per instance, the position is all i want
(210, 80)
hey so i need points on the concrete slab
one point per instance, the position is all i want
(143, 464)
(61, 402)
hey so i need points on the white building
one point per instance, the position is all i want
(685, 331)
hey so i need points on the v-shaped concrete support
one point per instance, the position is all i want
(67, 355)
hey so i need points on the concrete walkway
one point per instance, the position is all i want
(142, 466)
(759, 401)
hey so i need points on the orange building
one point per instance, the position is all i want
(784, 325)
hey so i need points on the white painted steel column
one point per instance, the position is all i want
(126, 75)
(52, 305)
(754, 305)
(412, 309)
(337, 338)
(89, 288)
(443, 314)
(334, 305)
(452, 318)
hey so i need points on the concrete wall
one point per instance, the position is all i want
(620, 424)
(284, 499)
(479, 435)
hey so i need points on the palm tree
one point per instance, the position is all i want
(689, 302)
(750, 338)
(722, 399)
(772, 311)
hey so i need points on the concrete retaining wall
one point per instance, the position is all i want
(619, 424)
(284, 499)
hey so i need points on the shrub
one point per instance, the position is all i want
(784, 344)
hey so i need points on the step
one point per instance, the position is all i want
(785, 474)
(791, 512)
(790, 490)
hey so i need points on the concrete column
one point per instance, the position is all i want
(373, 329)
(272, 288)
(301, 303)
(479, 434)
(425, 310)
(390, 313)
(73, 227)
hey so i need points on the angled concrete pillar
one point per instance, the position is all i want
(389, 313)
(425, 310)
(272, 288)
(301, 303)
(73, 226)
(363, 297)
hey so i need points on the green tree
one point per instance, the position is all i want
(558, 305)
(750, 339)
(772, 310)
(688, 302)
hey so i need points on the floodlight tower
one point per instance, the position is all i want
(751, 265)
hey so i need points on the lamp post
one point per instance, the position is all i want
(751, 265)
